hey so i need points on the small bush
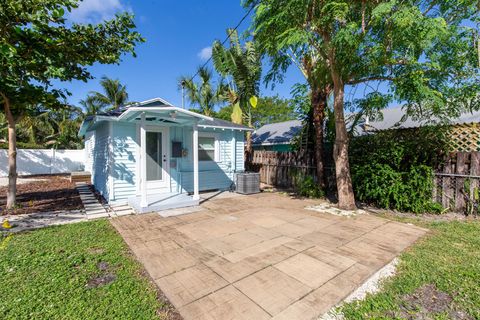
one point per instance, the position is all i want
(309, 188)
(306, 186)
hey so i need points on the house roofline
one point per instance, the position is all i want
(270, 143)
(157, 99)
(172, 108)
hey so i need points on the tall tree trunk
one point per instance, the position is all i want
(318, 100)
(12, 154)
(346, 198)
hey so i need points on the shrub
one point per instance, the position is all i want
(387, 188)
(309, 188)
(394, 169)
(306, 185)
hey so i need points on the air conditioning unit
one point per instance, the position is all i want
(248, 182)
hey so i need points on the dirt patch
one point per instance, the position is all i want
(101, 280)
(51, 193)
(103, 266)
(96, 250)
(427, 302)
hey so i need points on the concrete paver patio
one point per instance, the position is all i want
(261, 256)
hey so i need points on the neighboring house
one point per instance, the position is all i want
(156, 156)
(276, 136)
(464, 130)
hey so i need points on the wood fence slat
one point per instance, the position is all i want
(474, 171)
(446, 188)
(461, 168)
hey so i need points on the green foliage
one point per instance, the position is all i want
(44, 275)
(114, 95)
(448, 258)
(387, 188)
(204, 94)
(472, 198)
(393, 169)
(305, 185)
(241, 66)
(39, 45)
(309, 188)
(269, 110)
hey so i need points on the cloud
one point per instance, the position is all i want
(205, 53)
(94, 11)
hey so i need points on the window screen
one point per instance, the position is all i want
(206, 148)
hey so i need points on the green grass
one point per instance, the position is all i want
(44, 275)
(449, 258)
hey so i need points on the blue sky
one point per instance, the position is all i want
(178, 37)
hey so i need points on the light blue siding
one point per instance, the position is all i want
(101, 159)
(212, 174)
(115, 160)
(124, 151)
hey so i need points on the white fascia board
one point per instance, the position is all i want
(153, 109)
(269, 143)
(224, 128)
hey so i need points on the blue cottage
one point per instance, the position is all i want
(155, 156)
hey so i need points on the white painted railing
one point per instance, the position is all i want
(44, 161)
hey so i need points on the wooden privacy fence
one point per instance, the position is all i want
(280, 168)
(457, 181)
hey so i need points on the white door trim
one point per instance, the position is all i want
(157, 186)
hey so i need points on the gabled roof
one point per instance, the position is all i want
(277, 133)
(158, 110)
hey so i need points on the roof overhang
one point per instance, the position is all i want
(172, 113)
(158, 115)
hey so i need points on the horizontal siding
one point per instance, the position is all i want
(212, 175)
(207, 180)
(240, 162)
(101, 161)
(123, 165)
(124, 150)
(89, 147)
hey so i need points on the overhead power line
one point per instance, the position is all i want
(228, 37)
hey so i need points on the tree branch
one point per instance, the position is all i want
(375, 78)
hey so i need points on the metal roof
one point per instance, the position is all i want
(392, 119)
(277, 133)
(157, 106)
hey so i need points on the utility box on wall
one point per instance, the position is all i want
(176, 149)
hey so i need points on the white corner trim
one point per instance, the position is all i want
(111, 163)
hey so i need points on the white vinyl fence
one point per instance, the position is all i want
(44, 161)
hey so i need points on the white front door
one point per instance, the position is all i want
(156, 152)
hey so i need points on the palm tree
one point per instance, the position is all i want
(91, 105)
(66, 122)
(115, 94)
(242, 66)
(203, 93)
(35, 125)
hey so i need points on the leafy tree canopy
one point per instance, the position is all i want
(37, 45)
(268, 110)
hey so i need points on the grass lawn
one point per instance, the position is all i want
(78, 271)
(438, 278)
